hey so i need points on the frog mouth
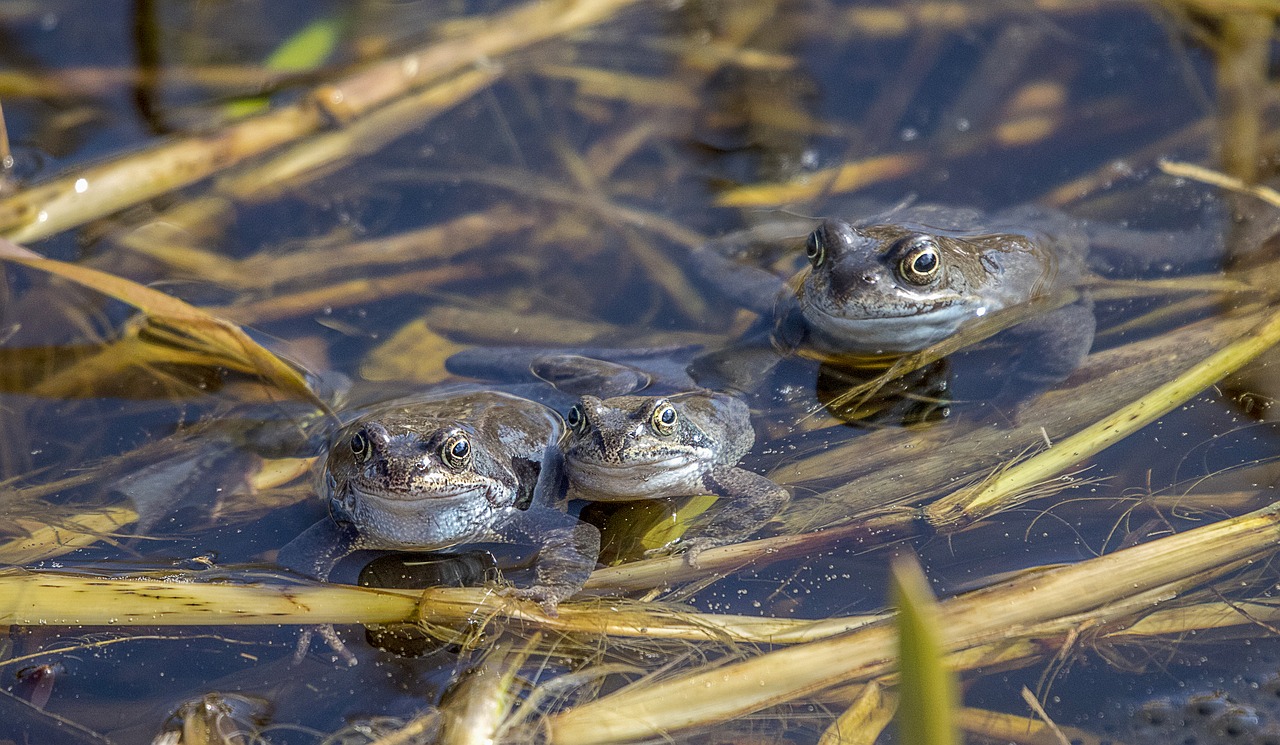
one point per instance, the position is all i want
(634, 464)
(439, 498)
(433, 496)
(947, 305)
(900, 332)
(424, 522)
(635, 478)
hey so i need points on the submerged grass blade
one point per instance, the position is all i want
(48, 541)
(107, 369)
(345, 258)
(28, 598)
(48, 209)
(862, 723)
(413, 353)
(423, 728)
(222, 341)
(304, 50)
(927, 696)
(1192, 618)
(967, 505)
(181, 599)
(1209, 176)
(351, 292)
(317, 156)
(1001, 727)
(475, 707)
(874, 530)
(839, 180)
(95, 192)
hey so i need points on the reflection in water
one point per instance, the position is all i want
(921, 397)
(465, 569)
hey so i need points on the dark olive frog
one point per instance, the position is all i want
(647, 447)
(901, 286)
(900, 281)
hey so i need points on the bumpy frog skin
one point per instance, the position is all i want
(645, 447)
(427, 475)
(899, 287)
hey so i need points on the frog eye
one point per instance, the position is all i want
(816, 248)
(921, 263)
(456, 452)
(575, 418)
(663, 419)
(359, 444)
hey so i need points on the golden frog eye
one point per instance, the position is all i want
(663, 419)
(816, 248)
(921, 263)
(456, 452)
(575, 418)
(359, 444)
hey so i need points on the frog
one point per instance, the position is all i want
(901, 281)
(438, 472)
(898, 287)
(634, 447)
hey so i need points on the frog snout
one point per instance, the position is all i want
(849, 284)
(614, 445)
(404, 466)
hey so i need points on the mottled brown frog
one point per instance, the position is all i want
(649, 447)
(435, 473)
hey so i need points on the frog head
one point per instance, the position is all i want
(899, 287)
(886, 288)
(407, 479)
(637, 447)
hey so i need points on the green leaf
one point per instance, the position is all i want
(927, 687)
(307, 48)
(304, 50)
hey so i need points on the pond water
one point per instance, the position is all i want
(414, 179)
